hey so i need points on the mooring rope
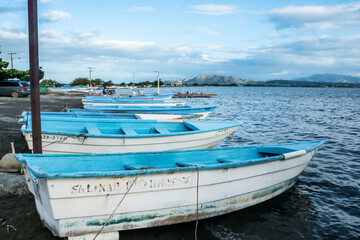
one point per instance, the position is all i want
(112, 214)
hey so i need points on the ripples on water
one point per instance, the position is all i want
(324, 204)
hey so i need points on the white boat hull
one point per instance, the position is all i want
(63, 144)
(74, 207)
(135, 104)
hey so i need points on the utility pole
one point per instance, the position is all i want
(0, 51)
(90, 71)
(11, 54)
(34, 75)
(133, 79)
(158, 80)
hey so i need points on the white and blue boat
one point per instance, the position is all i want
(74, 135)
(204, 110)
(146, 96)
(25, 117)
(131, 102)
(80, 196)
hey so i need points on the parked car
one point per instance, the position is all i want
(14, 88)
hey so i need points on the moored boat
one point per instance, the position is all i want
(110, 136)
(146, 96)
(203, 110)
(26, 116)
(85, 195)
(132, 102)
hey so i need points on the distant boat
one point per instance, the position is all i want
(26, 116)
(146, 96)
(203, 110)
(79, 195)
(110, 136)
(131, 102)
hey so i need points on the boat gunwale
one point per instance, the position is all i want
(26, 116)
(25, 128)
(40, 173)
(185, 107)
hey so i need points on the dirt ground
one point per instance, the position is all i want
(19, 211)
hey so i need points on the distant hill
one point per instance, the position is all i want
(293, 83)
(216, 80)
(329, 78)
(317, 80)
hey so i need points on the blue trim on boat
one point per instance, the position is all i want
(116, 127)
(59, 166)
(147, 109)
(58, 116)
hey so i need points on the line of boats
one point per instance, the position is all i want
(125, 163)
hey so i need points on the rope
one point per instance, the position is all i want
(197, 201)
(112, 214)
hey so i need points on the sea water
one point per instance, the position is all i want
(325, 202)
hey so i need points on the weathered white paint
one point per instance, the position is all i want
(73, 207)
(52, 143)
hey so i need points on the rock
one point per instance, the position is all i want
(12, 184)
(9, 162)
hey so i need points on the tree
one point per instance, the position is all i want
(96, 81)
(122, 84)
(51, 83)
(14, 73)
(80, 82)
(108, 83)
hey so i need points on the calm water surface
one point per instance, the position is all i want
(325, 202)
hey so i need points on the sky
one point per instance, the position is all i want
(258, 39)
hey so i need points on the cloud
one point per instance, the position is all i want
(140, 9)
(77, 49)
(316, 17)
(214, 9)
(11, 9)
(204, 31)
(280, 73)
(9, 33)
(53, 16)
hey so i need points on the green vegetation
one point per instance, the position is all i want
(94, 82)
(51, 83)
(148, 84)
(14, 73)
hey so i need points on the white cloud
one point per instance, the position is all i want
(214, 9)
(274, 35)
(53, 16)
(280, 73)
(204, 31)
(316, 17)
(10, 33)
(140, 9)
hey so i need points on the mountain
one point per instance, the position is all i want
(317, 80)
(216, 80)
(329, 78)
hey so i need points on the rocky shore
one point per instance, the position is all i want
(18, 216)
